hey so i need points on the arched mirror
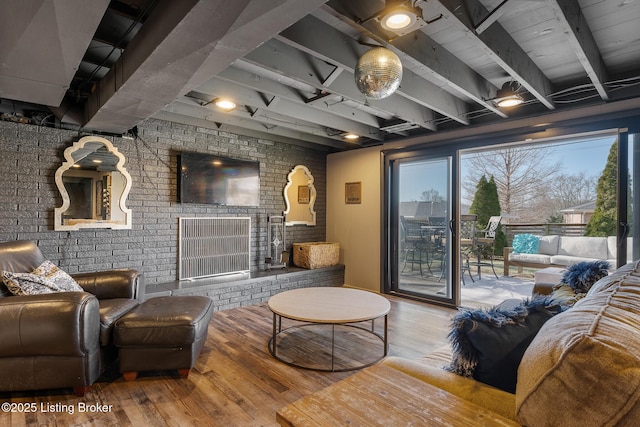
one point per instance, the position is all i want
(300, 196)
(94, 186)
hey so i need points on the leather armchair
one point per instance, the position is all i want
(63, 339)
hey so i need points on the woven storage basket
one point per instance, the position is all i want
(316, 254)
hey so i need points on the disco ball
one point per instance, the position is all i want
(378, 73)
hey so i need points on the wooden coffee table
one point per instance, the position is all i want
(383, 396)
(328, 306)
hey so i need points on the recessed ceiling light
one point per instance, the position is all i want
(351, 136)
(225, 104)
(399, 17)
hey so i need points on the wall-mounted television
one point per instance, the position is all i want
(217, 180)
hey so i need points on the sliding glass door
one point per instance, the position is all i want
(419, 214)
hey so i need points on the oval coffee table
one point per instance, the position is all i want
(328, 306)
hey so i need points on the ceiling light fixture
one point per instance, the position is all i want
(351, 136)
(225, 104)
(378, 73)
(397, 16)
(508, 96)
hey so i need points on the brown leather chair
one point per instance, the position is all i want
(63, 339)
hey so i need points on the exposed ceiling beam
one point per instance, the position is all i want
(436, 62)
(222, 88)
(322, 102)
(496, 43)
(271, 124)
(575, 27)
(493, 16)
(291, 62)
(224, 127)
(39, 53)
(343, 51)
(167, 58)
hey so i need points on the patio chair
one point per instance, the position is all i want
(486, 239)
(467, 245)
(437, 239)
(414, 244)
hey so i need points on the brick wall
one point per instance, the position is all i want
(30, 155)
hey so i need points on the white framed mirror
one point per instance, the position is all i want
(300, 196)
(94, 186)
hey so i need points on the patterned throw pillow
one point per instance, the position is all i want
(60, 278)
(46, 278)
(525, 244)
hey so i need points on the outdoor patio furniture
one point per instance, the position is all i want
(484, 242)
(414, 244)
(467, 236)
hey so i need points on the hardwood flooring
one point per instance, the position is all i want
(235, 382)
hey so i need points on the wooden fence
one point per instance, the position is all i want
(543, 229)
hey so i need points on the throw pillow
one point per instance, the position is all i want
(581, 276)
(59, 277)
(565, 295)
(28, 284)
(488, 344)
(46, 278)
(525, 243)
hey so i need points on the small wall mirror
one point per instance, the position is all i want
(300, 196)
(94, 186)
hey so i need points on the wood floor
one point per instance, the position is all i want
(235, 382)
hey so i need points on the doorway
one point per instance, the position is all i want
(420, 214)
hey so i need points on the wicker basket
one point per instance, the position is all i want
(316, 254)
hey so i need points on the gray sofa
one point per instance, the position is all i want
(562, 251)
(581, 369)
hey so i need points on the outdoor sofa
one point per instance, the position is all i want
(562, 251)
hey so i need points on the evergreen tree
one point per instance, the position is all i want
(485, 204)
(603, 221)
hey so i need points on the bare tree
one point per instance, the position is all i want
(575, 190)
(522, 175)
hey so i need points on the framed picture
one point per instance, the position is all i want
(303, 194)
(353, 193)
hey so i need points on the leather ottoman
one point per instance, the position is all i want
(162, 333)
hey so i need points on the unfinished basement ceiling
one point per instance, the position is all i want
(289, 64)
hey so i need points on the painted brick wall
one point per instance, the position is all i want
(30, 155)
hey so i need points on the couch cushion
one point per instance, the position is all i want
(567, 260)
(583, 367)
(612, 247)
(583, 247)
(536, 258)
(548, 245)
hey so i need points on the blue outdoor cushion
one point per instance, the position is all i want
(525, 243)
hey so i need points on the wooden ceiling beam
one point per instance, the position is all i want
(497, 44)
(426, 55)
(336, 47)
(575, 27)
(288, 61)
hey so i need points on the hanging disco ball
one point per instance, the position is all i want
(378, 73)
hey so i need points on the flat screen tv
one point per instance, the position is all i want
(217, 180)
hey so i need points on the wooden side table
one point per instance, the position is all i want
(383, 396)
